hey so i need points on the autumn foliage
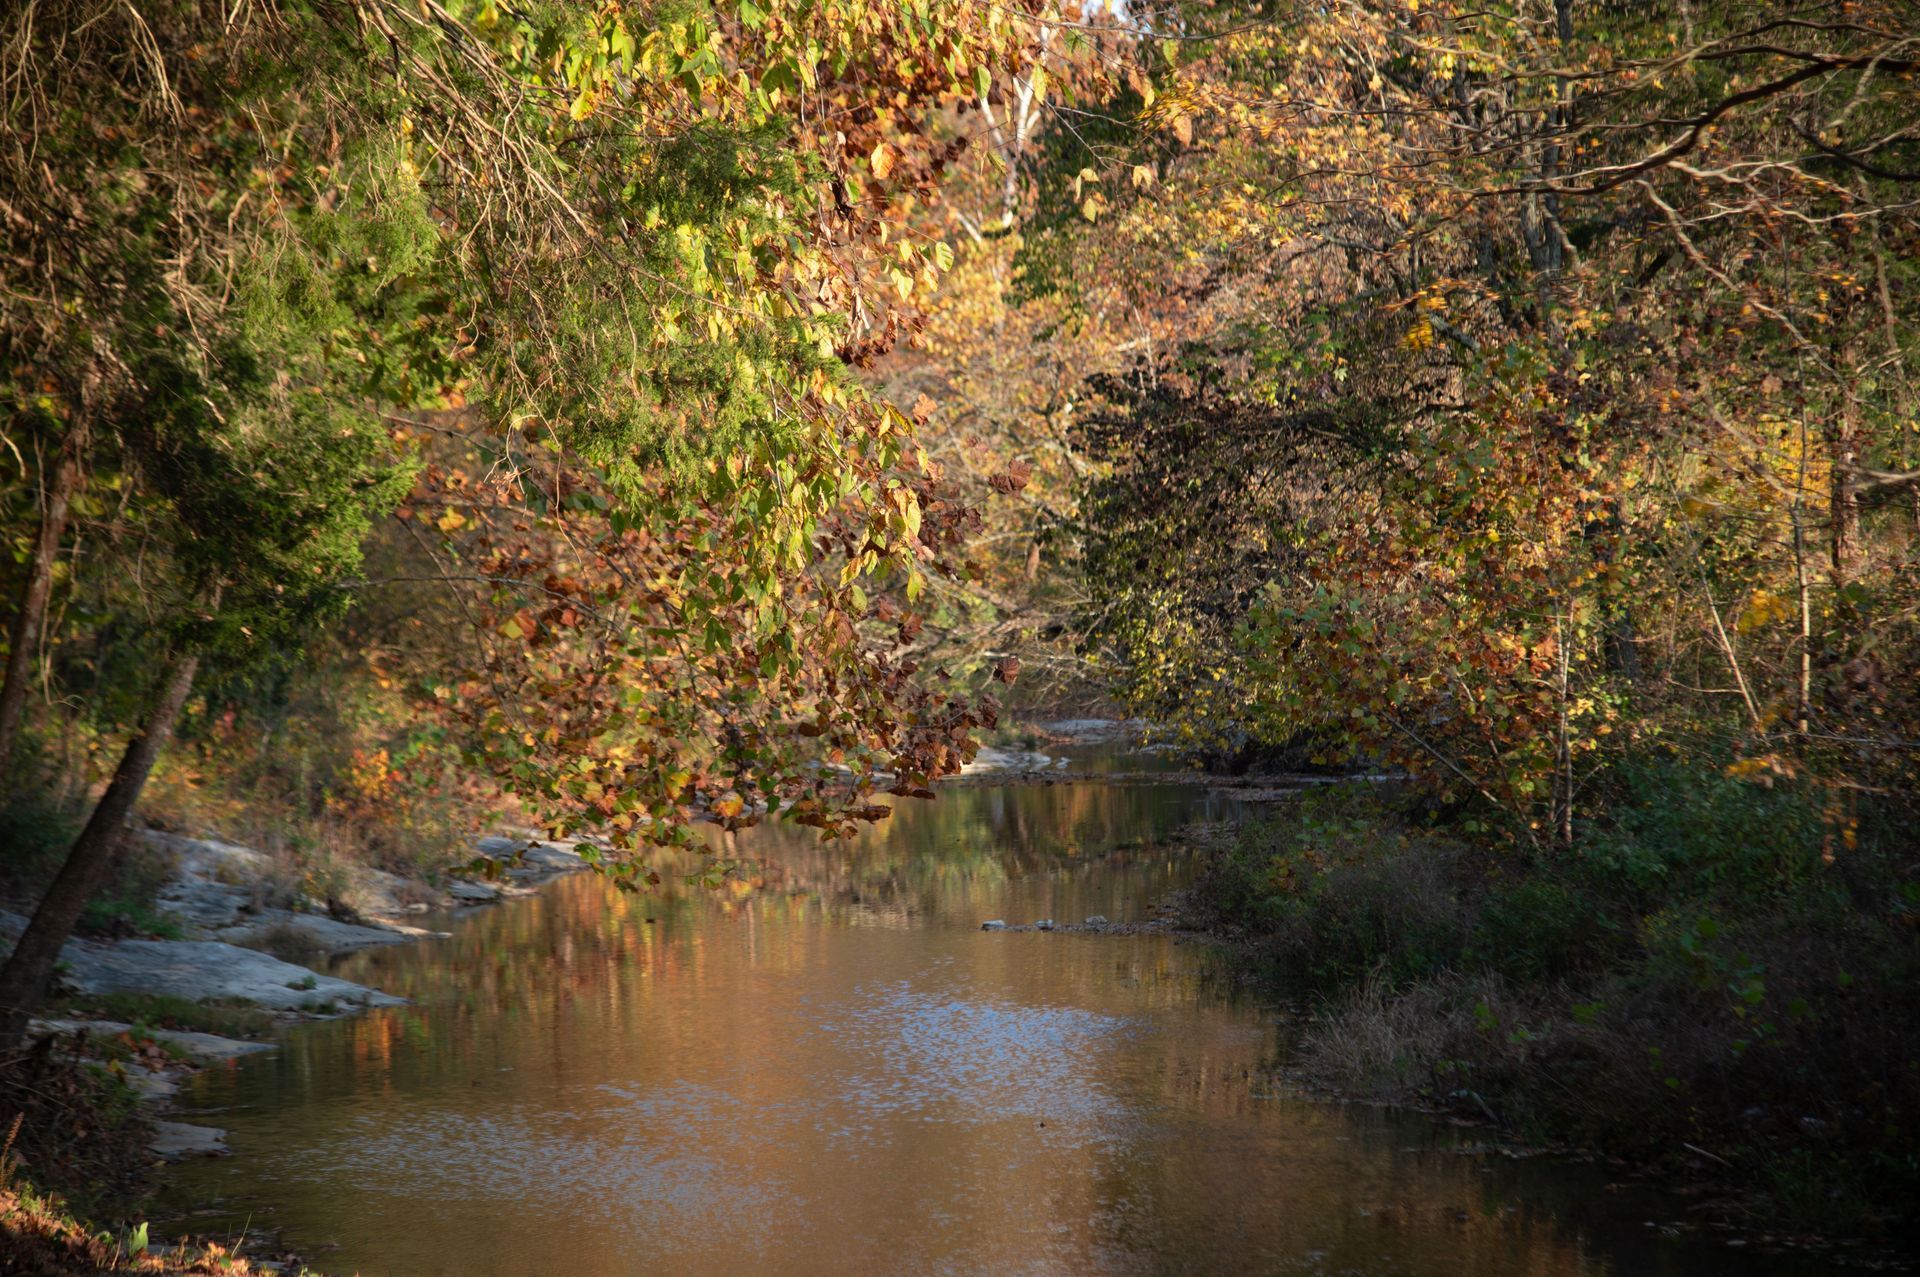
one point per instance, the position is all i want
(1493, 395)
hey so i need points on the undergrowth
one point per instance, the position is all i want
(227, 1018)
(37, 825)
(1709, 977)
(76, 1126)
(322, 766)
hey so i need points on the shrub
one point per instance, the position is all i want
(1673, 827)
(1324, 892)
(1701, 977)
(1539, 927)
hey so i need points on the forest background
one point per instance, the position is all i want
(627, 418)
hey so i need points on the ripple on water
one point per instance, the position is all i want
(776, 1087)
(680, 1155)
(659, 1155)
(939, 1057)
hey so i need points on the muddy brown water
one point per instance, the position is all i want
(829, 1068)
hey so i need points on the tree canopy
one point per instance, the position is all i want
(1484, 392)
(1489, 391)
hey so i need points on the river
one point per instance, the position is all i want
(827, 1067)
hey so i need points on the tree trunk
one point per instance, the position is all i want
(1844, 504)
(23, 981)
(1563, 766)
(24, 639)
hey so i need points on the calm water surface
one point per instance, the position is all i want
(829, 1068)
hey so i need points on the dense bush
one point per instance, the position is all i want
(1702, 974)
(1673, 826)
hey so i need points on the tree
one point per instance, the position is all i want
(1610, 316)
(228, 335)
(636, 260)
(697, 538)
(30, 613)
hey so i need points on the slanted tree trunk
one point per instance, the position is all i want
(23, 640)
(23, 981)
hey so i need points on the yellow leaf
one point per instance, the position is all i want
(451, 520)
(883, 159)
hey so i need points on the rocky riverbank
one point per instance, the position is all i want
(245, 949)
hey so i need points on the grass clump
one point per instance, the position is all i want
(225, 1017)
(41, 1235)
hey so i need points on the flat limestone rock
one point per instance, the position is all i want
(991, 760)
(532, 859)
(222, 890)
(375, 893)
(211, 859)
(201, 970)
(154, 1086)
(319, 931)
(214, 883)
(1095, 730)
(204, 969)
(543, 860)
(499, 846)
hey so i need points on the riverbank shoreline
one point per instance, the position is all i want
(121, 994)
(236, 937)
(242, 959)
(1446, 979)
(1187, 916)
(233, 944)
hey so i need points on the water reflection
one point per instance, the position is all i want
(828, 1068)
